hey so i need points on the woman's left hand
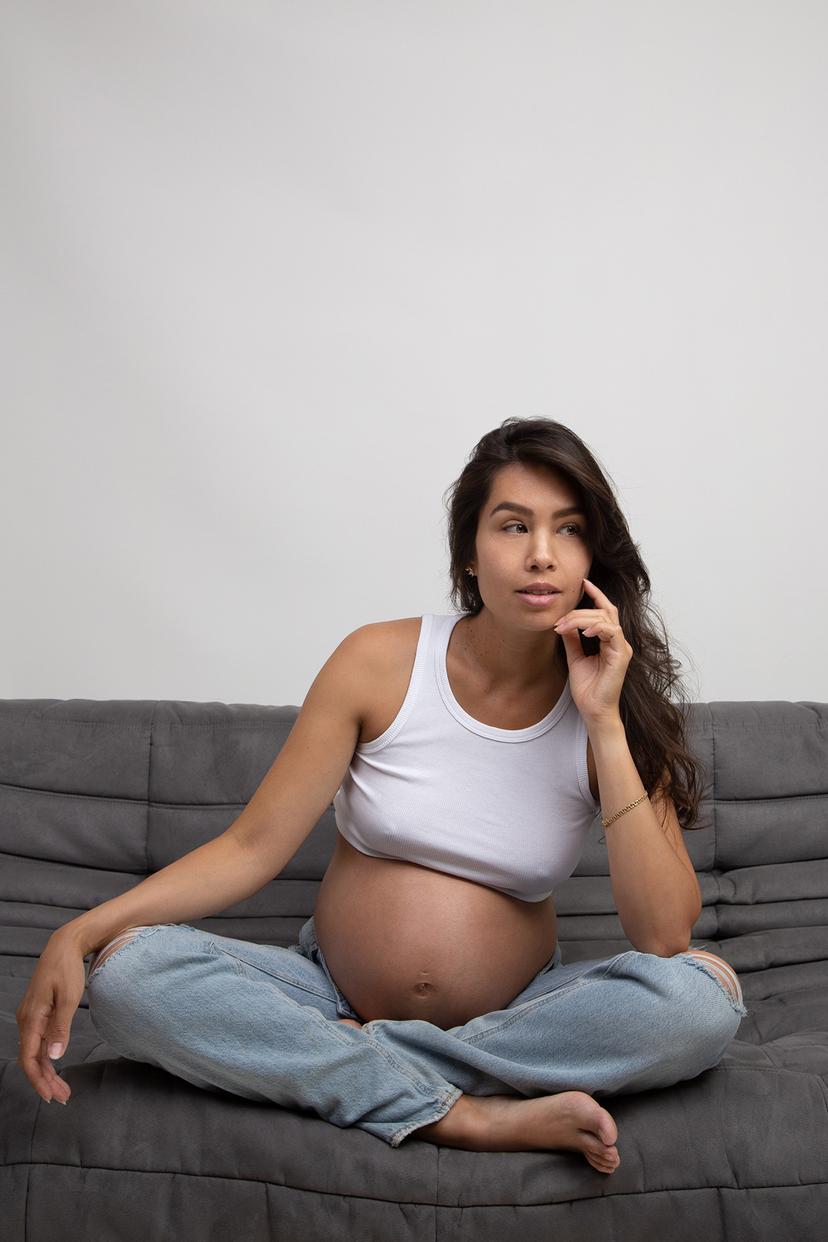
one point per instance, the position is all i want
(595, 681)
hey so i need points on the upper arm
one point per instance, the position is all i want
(665, 810)
(308, 770)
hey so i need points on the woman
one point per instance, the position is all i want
(469, 755)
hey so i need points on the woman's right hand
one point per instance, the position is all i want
(45, 1014)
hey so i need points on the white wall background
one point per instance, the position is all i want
(270, 270)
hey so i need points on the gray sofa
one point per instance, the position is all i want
(94, 795)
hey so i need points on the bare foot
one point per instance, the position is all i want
(572, 1120)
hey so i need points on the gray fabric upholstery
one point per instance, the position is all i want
(96, 795)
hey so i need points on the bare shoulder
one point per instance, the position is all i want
(377, 648)
(344, 699)
(385, 651)
(388, 640)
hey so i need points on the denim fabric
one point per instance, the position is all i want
(261, 1021)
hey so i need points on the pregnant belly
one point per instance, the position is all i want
(404, 941)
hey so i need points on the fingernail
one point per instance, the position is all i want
(55, 1050)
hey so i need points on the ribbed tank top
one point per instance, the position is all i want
(508, 808)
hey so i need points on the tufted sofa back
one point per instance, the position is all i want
(97, 794)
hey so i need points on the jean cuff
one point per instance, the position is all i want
(446, 1102)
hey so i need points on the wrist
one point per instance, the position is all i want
(76, 934)
(607, 729)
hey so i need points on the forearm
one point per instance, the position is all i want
(655, 895)
(203, 882)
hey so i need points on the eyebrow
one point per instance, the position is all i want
(510, 504)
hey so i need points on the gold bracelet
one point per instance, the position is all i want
(606, 822)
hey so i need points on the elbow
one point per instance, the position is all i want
(676, 948)
(662, 948)
(659, 950)
(680, 945)
(668, 939)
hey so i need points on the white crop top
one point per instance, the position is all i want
(508, 808)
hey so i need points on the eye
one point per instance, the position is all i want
(567, 526)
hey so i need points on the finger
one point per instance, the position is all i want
(30, 1057)
(58, 1086)
(572, 646)
(56, 1040)
(581, 617)
(607, 633)
(599, 595)
(33, 1061)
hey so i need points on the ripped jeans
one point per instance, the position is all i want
(261, 1021)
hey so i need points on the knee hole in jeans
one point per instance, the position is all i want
(722, 971)
(107, 950)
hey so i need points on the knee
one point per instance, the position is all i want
(716, 1022)
(114, 946)
(106, 951)
(118, 986)
(721, 971)
(122, 974)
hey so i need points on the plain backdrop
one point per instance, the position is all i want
(270, 270)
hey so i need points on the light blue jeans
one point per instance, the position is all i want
(261, 1021)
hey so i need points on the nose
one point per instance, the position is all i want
(541, 557)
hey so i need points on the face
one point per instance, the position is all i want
(530, 540)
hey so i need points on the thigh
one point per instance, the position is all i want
(624, 1023)
(171, 961)
(300, 971)
(555, 975)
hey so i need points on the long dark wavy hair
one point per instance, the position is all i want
(654, 724)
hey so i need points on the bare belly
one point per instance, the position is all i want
(404, 941)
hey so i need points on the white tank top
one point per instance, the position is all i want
(508, 808)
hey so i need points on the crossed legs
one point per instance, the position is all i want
(568, 1119)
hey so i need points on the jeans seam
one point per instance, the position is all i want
(400, 1067)
(531, 1005)
(565, 990)
(274, 974)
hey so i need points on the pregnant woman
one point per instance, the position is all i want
(467, 756)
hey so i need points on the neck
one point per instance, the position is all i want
(510, 658)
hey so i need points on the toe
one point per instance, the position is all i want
(599, 1151)
(603, 1165)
